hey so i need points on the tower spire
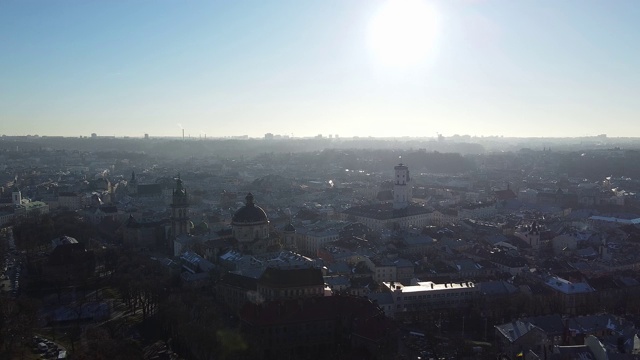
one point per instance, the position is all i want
(179, 210)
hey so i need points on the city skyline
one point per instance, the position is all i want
(379, 68)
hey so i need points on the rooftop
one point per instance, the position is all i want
(515, 329)
(275, 277)
(386, 211)
(429, 286)
(567, 287)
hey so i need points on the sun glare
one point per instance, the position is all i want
(402, 32)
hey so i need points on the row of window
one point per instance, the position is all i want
(437, 295)
(432, 303)
(292, 292)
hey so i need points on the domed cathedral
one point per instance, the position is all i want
(180, 223)
(250, 227)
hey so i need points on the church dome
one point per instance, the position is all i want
(250, 213)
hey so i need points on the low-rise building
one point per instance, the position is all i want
(69, 200)
(309, 240)
(574, 296)
(516, 338)
(426, 296)
(7, 214)
(385, 216)
(32, 208)
(383, 270)
(477, 211)
(277, 284)
(144, 234)
(234, 290)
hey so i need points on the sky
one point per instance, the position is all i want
(526, 68)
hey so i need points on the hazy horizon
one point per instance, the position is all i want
(321, 137)
(386, 69)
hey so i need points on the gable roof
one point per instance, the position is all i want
(573, 352)
(499, 288)
(551, 324)
(567, 287)
(593, 323)
(516, 329)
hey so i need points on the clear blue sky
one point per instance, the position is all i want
(511, 67)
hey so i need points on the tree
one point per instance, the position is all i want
(18, 318)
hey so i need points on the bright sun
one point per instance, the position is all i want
(402, 32)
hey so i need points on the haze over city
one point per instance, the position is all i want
(319, 180)
(366, 68)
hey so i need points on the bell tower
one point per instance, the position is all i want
(132, 186)
(401, 187)
(16, 196)
(289, 234)
(179, 210)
